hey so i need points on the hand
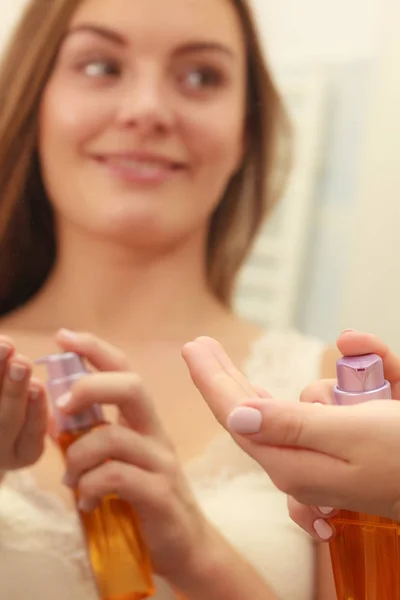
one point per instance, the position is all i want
(377, 436)
(23, 411)
(321, 455)
(134, 459)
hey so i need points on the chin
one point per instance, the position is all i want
(147, 232)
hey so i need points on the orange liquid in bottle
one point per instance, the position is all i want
(118, 556)
(365, 557)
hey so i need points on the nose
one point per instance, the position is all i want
(145, 104)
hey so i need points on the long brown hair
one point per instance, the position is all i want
(27, 237)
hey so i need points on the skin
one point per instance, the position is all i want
(323, 455)
(130, 267)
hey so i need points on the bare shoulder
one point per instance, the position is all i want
(328, 363)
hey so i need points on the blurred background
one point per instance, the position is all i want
(329, 258)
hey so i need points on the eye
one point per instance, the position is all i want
(101, 68)
(203, 78)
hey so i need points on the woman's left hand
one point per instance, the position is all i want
(134, 459)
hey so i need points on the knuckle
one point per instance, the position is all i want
(282, 483)
(164, 491)
(292, 428)
(30, 450)
(85, 487)
(134, 384)
(82, 387)
(73, 455)
(310, 393)
(123, 360)
(318, 391)
(170, 465)
(88, 338)
(112, 439)
(115, 476)
(13, 391)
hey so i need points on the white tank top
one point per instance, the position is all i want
(42, 554)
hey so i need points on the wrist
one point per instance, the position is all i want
(201, 563)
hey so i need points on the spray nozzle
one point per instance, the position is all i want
(64, 370)
(60, 366)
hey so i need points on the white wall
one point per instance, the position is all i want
(9, 13)
(299, 30)
(372, 293)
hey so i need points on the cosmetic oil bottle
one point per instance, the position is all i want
(119, 559)
(365, 550)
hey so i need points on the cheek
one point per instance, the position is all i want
(67, 121)
(216, 141)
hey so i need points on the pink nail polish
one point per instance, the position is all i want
(325, 510)
(323, 530)
(64, 400)
(245, 420)
(67, 481)
(85, 505)
(68, 334)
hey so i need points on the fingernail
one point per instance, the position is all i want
(245, 420)
(325, 510)
(4, 351)
(68, 480)
(323, 530)
(34, 393)
(17, 372)
(347, 331)
(85, 505)
(68, 334)
(64, 400)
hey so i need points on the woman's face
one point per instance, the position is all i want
(142, 120)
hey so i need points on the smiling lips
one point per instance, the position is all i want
(142, 168)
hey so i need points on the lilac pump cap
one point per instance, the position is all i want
(361, 378)
(63, 365)
(64, 370)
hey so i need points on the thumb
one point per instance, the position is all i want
(279, 423)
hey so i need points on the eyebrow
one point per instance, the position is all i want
(117, 38)
(103, 32)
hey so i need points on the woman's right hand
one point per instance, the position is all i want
(23, 411)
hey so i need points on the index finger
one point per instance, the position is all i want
(221, 387)
(123, 390)
(101, 355)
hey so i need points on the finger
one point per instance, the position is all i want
(30, 442)
(6, 351)
(226, 364)
(353, 343)
(140, 488)
(113, 442)
(261, 392)
(102, 355)
(14, 397)
(319, 392)
(123, 390)
(311, 520)
(309, 426)
(220, 389)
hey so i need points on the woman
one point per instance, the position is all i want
(137, 160)
(351, 446)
